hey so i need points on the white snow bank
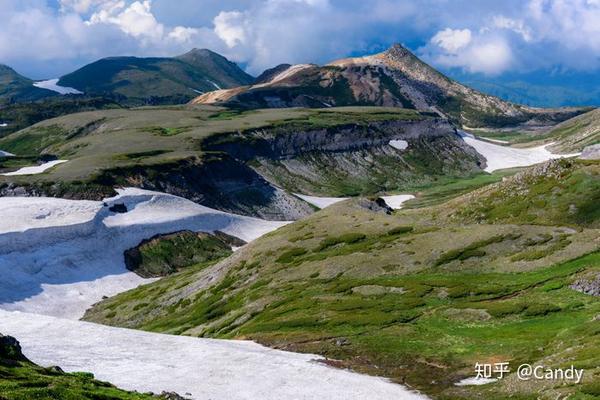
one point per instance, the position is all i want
(474, 381)
(58, 257)
(205, 368)
(501, 157)
(52, 84)
(399, 144)
(396, 201)
(321, 202)
(38, 169)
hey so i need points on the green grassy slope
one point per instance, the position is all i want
(392, 295)
(157, 80)
(17, 88)
(565, 192)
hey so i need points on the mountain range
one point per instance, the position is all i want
(394, 78)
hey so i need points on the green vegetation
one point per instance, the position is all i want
(167, 254)
(27, 381)
(391, 295)
(443, 190)
(560, 192)
(142, 81)
(20, 379)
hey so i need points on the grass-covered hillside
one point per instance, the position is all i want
(137, 81)
(231, 159)
(16, 88)
(20, 379)
(391, 294)
(560, 192)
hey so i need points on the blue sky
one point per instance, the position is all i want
(489, 39)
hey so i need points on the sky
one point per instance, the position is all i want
(484, 38)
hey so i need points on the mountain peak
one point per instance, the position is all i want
(200, 52)
(399, 52)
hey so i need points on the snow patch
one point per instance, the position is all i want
(399, 144)
(293, 69)
(321, 202)
(59, 257)
(214, 84)
(501, 157)
(474, 381)
(52, 84)
(35, 170)
(396, 201)
(496, 140)
(6, 154)
(205, 368)
(3, 124)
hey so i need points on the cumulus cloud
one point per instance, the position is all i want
(546, 34)
(229, 27)
(452, 40)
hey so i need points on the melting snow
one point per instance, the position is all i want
(501, 157)
(321, 202)
(35, 170)
(58, 257)
(475, 381)
(396, 201)
(52, 84)
(399, 144)
(205, 368)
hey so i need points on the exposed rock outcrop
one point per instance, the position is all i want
(10, 351)
(590, 286)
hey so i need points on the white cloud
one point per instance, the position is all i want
(452, 40)
(513, 34)
(460, 48)
(517, 26)
(229, 27)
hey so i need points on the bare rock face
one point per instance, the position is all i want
(591, 152)
(10, 350)
(588, 286)
(377, 205)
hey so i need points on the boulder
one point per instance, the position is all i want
(589, 286)
(591, 152)
(10, 350)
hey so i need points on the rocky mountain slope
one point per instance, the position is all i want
(16, 88)
(391, 295)
(576, 133)
(395, 78)
(157, 80)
